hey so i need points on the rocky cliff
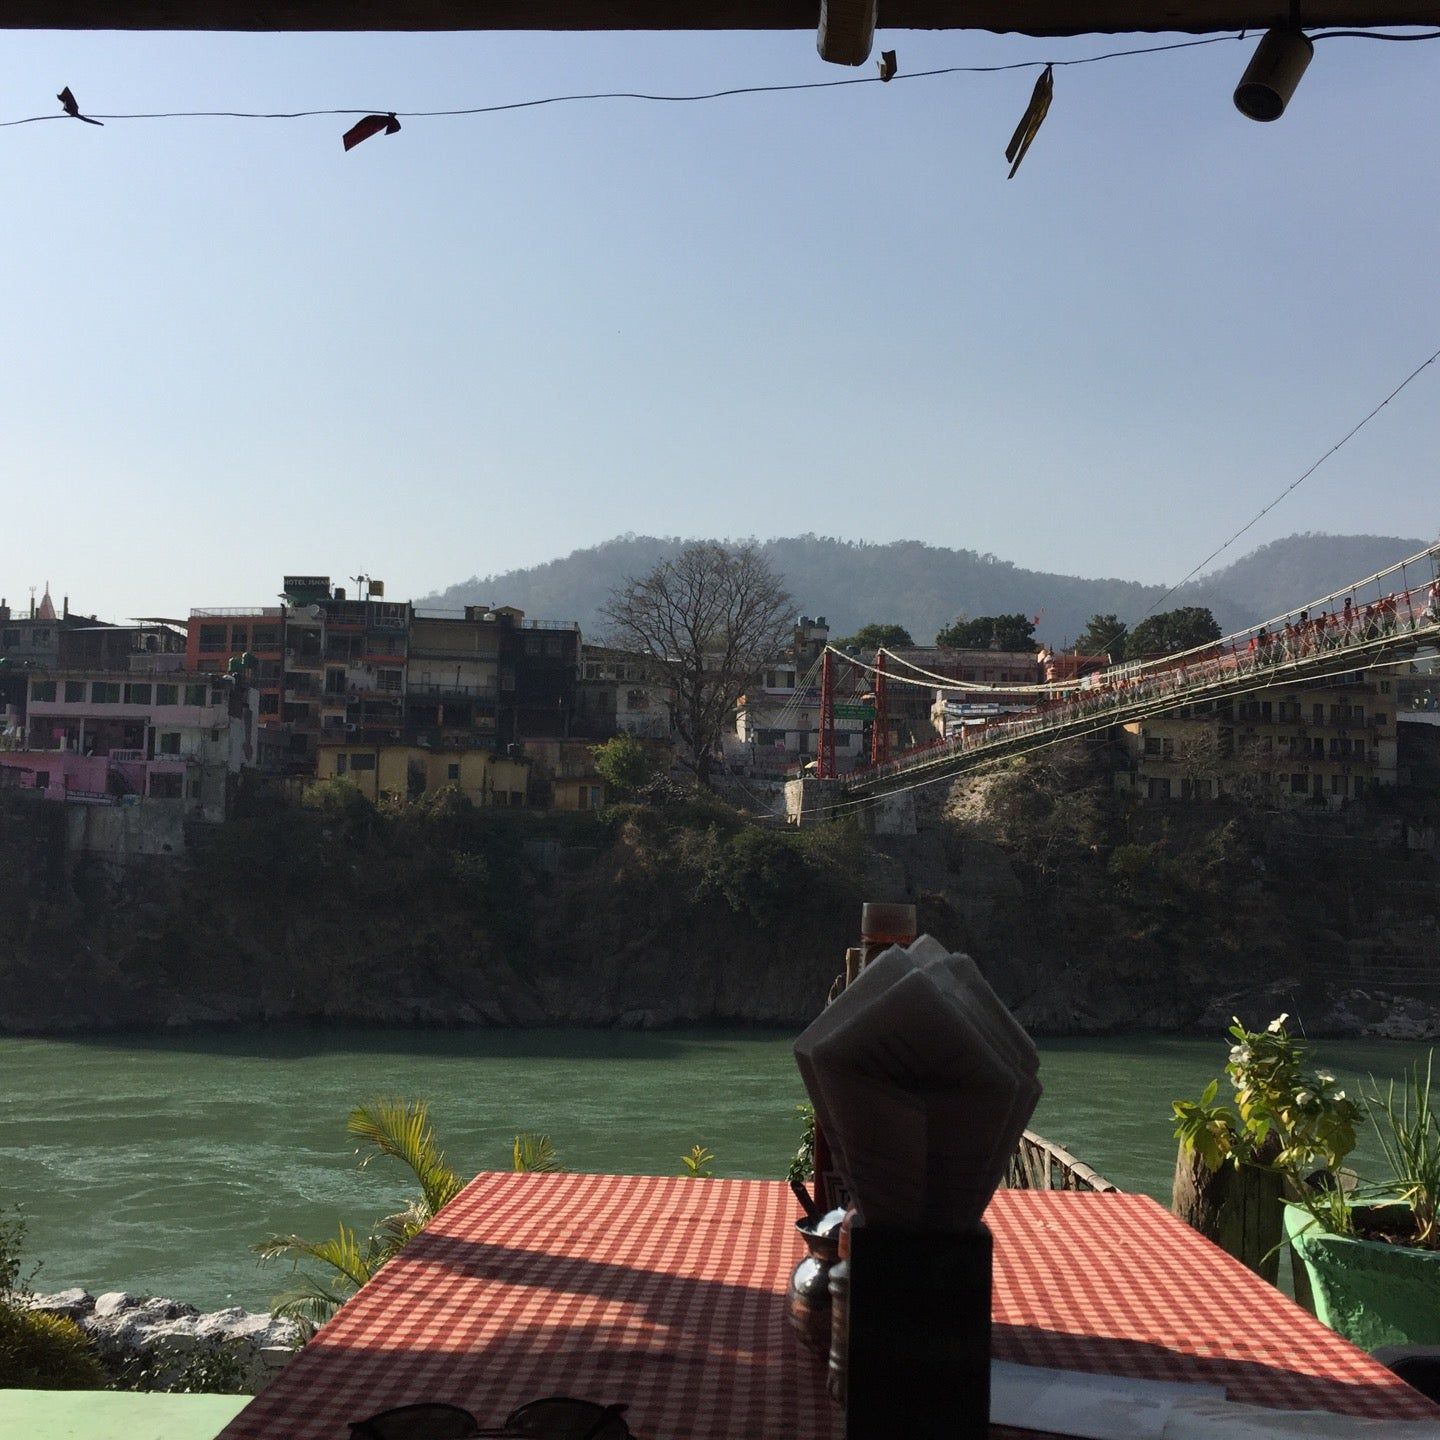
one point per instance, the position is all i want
(1088, 915)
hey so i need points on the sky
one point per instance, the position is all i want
(230, 351)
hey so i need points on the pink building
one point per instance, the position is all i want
(116, 737)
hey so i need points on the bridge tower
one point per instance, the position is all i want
(825, 753)
(880, 726)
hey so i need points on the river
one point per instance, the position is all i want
(152, 1164)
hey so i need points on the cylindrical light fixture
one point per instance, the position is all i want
(1273, 73)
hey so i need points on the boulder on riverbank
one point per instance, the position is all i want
(159, 1344)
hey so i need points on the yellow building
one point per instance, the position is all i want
(1326, 743)
(411, 770)
(566, 770)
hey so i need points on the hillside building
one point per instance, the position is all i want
(1328, 743)
(154, 732)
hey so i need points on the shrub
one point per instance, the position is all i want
(45, 1352)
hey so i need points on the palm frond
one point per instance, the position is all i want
(394, 1232)
(401, 1128)
(309, 1301)
(341, 1252)
(535, 1154)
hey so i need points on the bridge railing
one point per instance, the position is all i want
(1295, 651)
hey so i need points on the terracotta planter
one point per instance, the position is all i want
(1371, 1292)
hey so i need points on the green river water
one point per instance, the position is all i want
(152, 1164)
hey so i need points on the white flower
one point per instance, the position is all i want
(1277, 1024)
(1303, 1097)
(1324, 1077)
(1338, 1095)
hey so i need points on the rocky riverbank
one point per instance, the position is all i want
(158, 1344)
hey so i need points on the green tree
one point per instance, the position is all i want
(1172, 631)
(1102, 635)
(1003, 632)
(876, 636)
(624, 764)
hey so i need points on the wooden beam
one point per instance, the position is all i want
(1028, 17)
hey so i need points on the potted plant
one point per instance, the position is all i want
(1368, 1262)
(1238, 1161)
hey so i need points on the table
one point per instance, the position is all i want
(668, 1294)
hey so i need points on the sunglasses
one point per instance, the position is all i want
(557, 1418)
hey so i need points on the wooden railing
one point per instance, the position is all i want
(1038, 1164)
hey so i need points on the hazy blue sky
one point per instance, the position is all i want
(231, 350)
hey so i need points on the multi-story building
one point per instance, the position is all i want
(1325, 743)
(777, 720)
(452, 677)
(618, 694)
(918, 715)
(405, 770)
(324, 664)
(154, 731)
(539, 669)
(214, 637)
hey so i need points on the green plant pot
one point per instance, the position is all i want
(1371, 1292)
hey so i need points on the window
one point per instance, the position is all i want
(1384, 687)
(552, 646)
(362, 762)
(334, 682)
(388, 681)
(1152, 744)
(104, 692)
(138, 693)
(74, 691)
(167, 787)
(239, 637)
(39, 638)
(342, 764)
(212, 638)
(195, 694)
(169, 743)
(1317, 714)
(9, 639)
(42, 691)
(42, 779)
(167, 694)
(1337, 784)
(517, 797)
(452, 772)
(269, 704)
(1299, 784)
(1380, 718)
(266, 637)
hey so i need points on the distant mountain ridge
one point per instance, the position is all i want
(924, 587)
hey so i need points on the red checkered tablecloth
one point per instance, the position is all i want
(668, 1294)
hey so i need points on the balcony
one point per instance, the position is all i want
(453, 690)
(268, 612)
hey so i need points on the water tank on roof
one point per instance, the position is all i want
(339, 592)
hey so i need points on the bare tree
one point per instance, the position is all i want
(708, 622)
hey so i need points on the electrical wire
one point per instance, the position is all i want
(638, 95)
(1288, 490)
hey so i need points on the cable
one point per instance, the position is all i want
(1371, 35)
(638, 95)
(1294, 485)
(1101, 723)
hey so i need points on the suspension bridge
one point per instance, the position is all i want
(1376, 621)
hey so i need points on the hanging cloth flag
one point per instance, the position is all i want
(370, 125)
(1031, 120)
(71, 107)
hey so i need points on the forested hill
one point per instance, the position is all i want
(923, 587)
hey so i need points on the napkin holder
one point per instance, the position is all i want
(918, 1358)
